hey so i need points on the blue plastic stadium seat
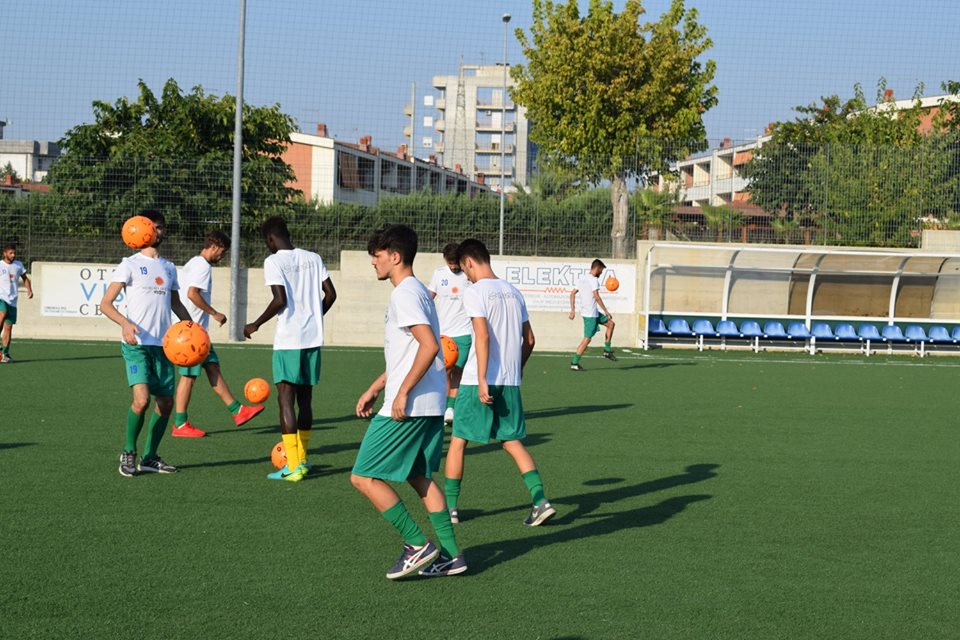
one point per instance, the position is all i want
(703, 327)
(822, 331)
(774, 330)
(728, 329)
(893, 333)
(869, 332)
(846, 332)
(955, 334)
(798, 330)
(656, 326)
(679, 327)
(750, 329)
(939, 334)
(915, 333)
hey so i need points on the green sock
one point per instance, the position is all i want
(535, 486)
(5, 350)
(451, 487)
(576, 359)
(397, 516)
(234, 407)
(606, 346)
(448, 541)
(180, 419)
(134, 425)
(451, 402)
(158, 424)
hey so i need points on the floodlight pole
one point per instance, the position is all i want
(503, 128)
(235, 321)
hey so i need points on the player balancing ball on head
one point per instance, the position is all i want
(138, 232)
(186, 344)
(256, 391)
(278, 455)
(612, 284)
(450, 351)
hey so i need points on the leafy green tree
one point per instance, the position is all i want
(8, 170)
(612, 97)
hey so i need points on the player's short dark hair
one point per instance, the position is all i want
(597, 263)
(473, 249)
(154, 216)
(9, 245)
(395, 237)
(450, 252)
(275, 226)
(217, 238)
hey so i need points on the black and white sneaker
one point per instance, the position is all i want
(128, 464)
(576, 367)
(445, 566)
(454, 516)
(156, 465)
(413, 559)
(609, 356)
(540, 514)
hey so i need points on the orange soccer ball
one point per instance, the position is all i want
(278, 455)
(612, 284)
(256, 391)
(138, 232)
(186, 344)
(450, 351)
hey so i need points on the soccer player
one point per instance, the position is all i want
(302, 293)
(197, 278)
(151, 293)
(447, 286)
(404, 441)
(589, 292)
(489, 405)
(11, 272)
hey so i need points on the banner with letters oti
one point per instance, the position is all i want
(546, 286)
(75, 290)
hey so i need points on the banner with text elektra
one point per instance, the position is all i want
(546, 286)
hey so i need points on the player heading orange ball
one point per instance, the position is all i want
(138, 232)
(450, 351)
(256, 391)
(186, 344)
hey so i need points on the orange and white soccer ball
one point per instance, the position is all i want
(256, 391)
(138, 232)
(450, 351)
(186, 344)
(278, 455)
(612, 284)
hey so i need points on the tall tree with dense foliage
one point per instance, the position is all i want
(612, 97)
(173, 151)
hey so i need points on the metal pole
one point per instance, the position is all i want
(235, 322)
(503, 128)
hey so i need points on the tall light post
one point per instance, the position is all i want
(236, 323)
(503, 128)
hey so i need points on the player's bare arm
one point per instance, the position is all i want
(365, 403)
(481, 341)
(329, 295)
(275, 306)
(195, 296)
(573, 302)
(129, 330)
(27, 284)
(526, 348)
(427, 350)
(603, 307)
(176, 305)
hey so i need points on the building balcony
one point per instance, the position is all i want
(494, 148)
(408, 110)
(487, 125)
(494, 105)
(440, 104)
(440, 125)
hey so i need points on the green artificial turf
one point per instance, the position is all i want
(699, 496)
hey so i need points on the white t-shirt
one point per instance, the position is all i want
(197, 273)
(505, 311)
(449, 287)
(301, 273)
(588, 302)
(148, 282)
(10, 281)
(410, 305)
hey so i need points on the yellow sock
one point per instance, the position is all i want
(293, 450)
(303, 439)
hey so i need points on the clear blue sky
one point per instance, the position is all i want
(351, 65)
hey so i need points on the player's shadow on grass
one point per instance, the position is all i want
(15, 445)
(567, 411)
(652, 365)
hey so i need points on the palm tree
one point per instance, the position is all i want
(720, 217)
(654, 208)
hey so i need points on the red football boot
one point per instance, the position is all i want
(187, 430)
(247, 413)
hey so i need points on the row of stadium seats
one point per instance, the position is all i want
(843, 332)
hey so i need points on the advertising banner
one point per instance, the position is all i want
(546, 286)
(75, 290)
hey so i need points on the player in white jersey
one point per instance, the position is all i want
(11, 272)
(302, 294)
(404, 441)
(150, 287)
(489, 405)
(196, 278)
(447, 286)
(588, 291)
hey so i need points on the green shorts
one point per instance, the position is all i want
(592, 325)
(11, 311)
(396, 451)
(478, 422)
(463, 349)
(297, 366)
(147, 365)
(194, 371)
